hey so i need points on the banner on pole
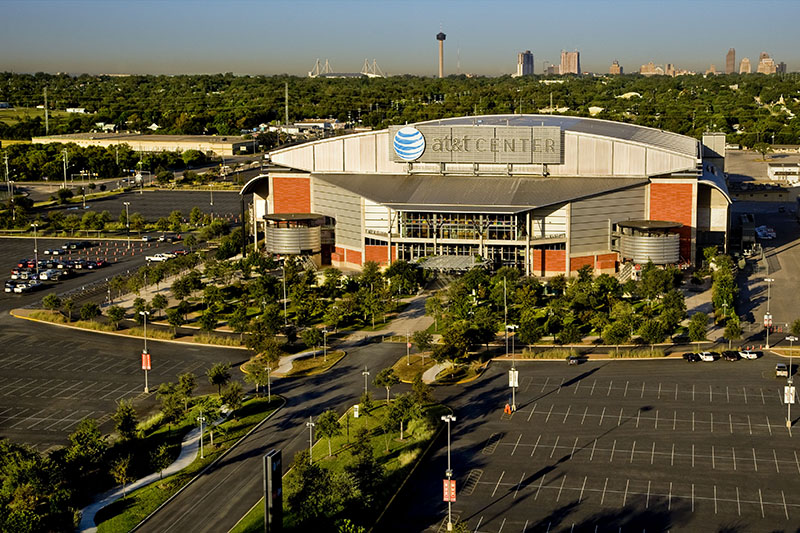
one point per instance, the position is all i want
(513, 378)
(449, 490)
(788, 395)
(146, 361)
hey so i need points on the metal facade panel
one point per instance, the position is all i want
(595, 156)
(542, 152)
(329, 156)
(629, 159)
(344, 207)
(434, 152)
(589, 223)
(472, 156)
(511, 141)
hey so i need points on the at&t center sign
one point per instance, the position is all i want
(476, 144)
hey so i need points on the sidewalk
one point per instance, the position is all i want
(189, 448)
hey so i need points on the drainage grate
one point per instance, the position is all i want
(491, 444)
(472, 481)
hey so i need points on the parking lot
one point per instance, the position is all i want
(621, 446)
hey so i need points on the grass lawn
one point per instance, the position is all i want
(124, 514)
(308, 366)
(397, 461)
(9, 142)
(407, 372)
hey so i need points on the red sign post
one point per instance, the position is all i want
(449, 490)
(146, 361)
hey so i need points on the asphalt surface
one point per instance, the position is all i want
(217, 500)
(615, 446)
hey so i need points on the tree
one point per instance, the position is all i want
(239, 321)
(208, 320)
(616, 333)
(195, 216)
(89, 311)
(423, 340)
(402, 410)
(698, 327)
(63, 195)
(86, 451)
(161, 459)
(652, 331)
(309, 492)
(190, 242)
(219, 375)
(421, 391)
(159, 302)
(795, 328)
(365, 471)
(312, 337)
(120, 470)
(258, 376)
(328, 426)
(125, 420)
(137, 222)
(187, 383)
(434, 308)
(115, 314)
(162, 224)
(232, 396)
(69, 305)
(763, 149)
(733, 330)
(386, 378)
(51, 302)
(171, 402)
(175, 319)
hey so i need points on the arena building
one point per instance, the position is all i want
(546, 194)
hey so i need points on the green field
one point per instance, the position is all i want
(14, 115)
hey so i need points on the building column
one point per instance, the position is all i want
(528, 266)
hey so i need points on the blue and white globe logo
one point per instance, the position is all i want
(409, 143)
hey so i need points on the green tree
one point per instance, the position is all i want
(365, 471)
(388, 379)
(115, 314)
(69, 305)
(421, 391)
(652, 331)
(239, 321)
(162, 224)
(160, 459)
(121, 471)
(233, 396)
(434, 308)
(187, 383)
(86, 451)
(312, 337)
(51, 302)
(175, 319)
(616, 333)
(195, 216)
(258, 376)
(190, 242)
(219, 375)
(208, 320)
(733, 329)
(423, 340)
(159, 302)
(90, 311)
(125, 420)
(763, 149)
(795, 328)
(309, 492)
(63, 195)
(698, 327)
(328, 426)
(137, 222)
(171, 402)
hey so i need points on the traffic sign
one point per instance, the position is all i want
(449, 490)
(146, 361)
(513, 378)
(355, 411)
(788, 394)
(408, 345)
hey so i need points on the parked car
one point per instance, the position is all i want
(51, 274)
(156, 258)
(781, 370)
(730, 355)
(180, 251)
(691, 357)
(708, 357)
(747, 354)
(80, 264)
(147, 238)
(10, 284)
(573, 360)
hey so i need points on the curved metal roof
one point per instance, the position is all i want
(606, 128)
(649, 225)
(250, 185)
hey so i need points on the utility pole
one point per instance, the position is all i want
(449, 474)
(365, 373)
(286, 102)
(310, 425)
(46, 117)
(65, 166)
(5, 158)
(202, 419)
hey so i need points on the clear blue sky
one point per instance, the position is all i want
(273, 37)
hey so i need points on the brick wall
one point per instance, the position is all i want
(555, 261)
(378, 254)
(291, 195)
(606, 262)
(575, 263)
(352, 256)
(674, 202)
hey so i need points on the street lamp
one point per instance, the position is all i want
(285, 314)
(768, 316)
(310, 425)
(449, 472)
(513, 374)
(145, 353)
(789, 381)
(201, 419)
(324, 344)
(769, 287)
(35, 248)
(128, 223)
(365, 373)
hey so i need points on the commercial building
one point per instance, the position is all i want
(524, 64)
(570, 62)
(651, 69)
(766, 65)
(208, 144)
(615, 68)
(744, 66)
(730, 61)
(546, 194)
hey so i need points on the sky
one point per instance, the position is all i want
(483, 37)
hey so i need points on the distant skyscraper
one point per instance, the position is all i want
(766, 65)
(730, 61)
(570, 62)
(441, 37)
(712, 70)
(744, 66)
(651, 69)
(524, 63)
(615, 68)
(551, 69)
(669, 70)
(781, 68)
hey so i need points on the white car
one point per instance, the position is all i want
(157, 257)
(747, 354)
(51, 274)
(708, 357)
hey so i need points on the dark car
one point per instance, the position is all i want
(180, 251)
(691, 357)
(730, 355)
(573, 360)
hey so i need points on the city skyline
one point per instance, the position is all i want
(248, 37)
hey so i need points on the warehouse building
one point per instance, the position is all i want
(546, 194)
(208, 144)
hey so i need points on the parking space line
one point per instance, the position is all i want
(625, 497)
(692, 455)
(749, 425)
(10, 384)
(653, 453)
(775, 456)
(672, 456)
(761, 500)
(755, 462)
(692, 497)
(692, 420)
(614, 447)
(656, 419)
(712, 422)
(517, 444)
(674, 419)
(692, 393)
(109, 393)
(563, 480)
(560, 386)
(26, 418)
(593, 385)
(619, 420)
(727, 394)
(545, 384)
(479, 524)
(730, 422)
(733, 454)
(536, 445)
(603, 498)
(603, 414)
(566, 415)
(580, 496)
(50, 392)
(633, 448)
(626, 389)
(134, 390)
(710, 395)
(541, 481)
(532, 411)
(574, 445)
(529, 381)
(498, 482)
(59, 421)
(642, 396)
(554, 446)
(610, 383)
(713, 459)
(669, 498)
(715, 499)
(584, 414)
(738, 503)
(763, 401)
(592, 455)
(549, 413)
(638, 414)
(769, 427)
(525, 527)
(744, 393)
(796, 462)
(659, 390)
(519, 483)
(502, 525)
(785, 509)
(577, 385)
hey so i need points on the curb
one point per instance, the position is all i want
(113, 333)
(209, 466)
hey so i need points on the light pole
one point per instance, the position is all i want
(310, 425)
(66, 155)
(768, 316)
(365, 373)
(324, 344)
(128, 223)
(769, 287)
(408, 351)
(145, 353)
(789, 382)
(285, 314)
(449, 472)
(269, 384)
(512, 375)
(201, 419)
(35, 248)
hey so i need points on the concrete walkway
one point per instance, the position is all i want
(285, 363)
(189, 449)
(429, 376)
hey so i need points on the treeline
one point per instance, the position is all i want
(225, 104)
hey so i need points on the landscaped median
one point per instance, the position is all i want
(368, 461)
(126, 513)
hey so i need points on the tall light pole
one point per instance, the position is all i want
(145, 353)
(768, 316)
(324, 344)
(35, 248)
(408, 350)
(365, 373)
(449, 473)
(513, 375)
(285, 314)
(269, 384)
(310, 425)
(201, 419)
(128, 223)
(769, 287)
(789, 382)
(66, 156)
